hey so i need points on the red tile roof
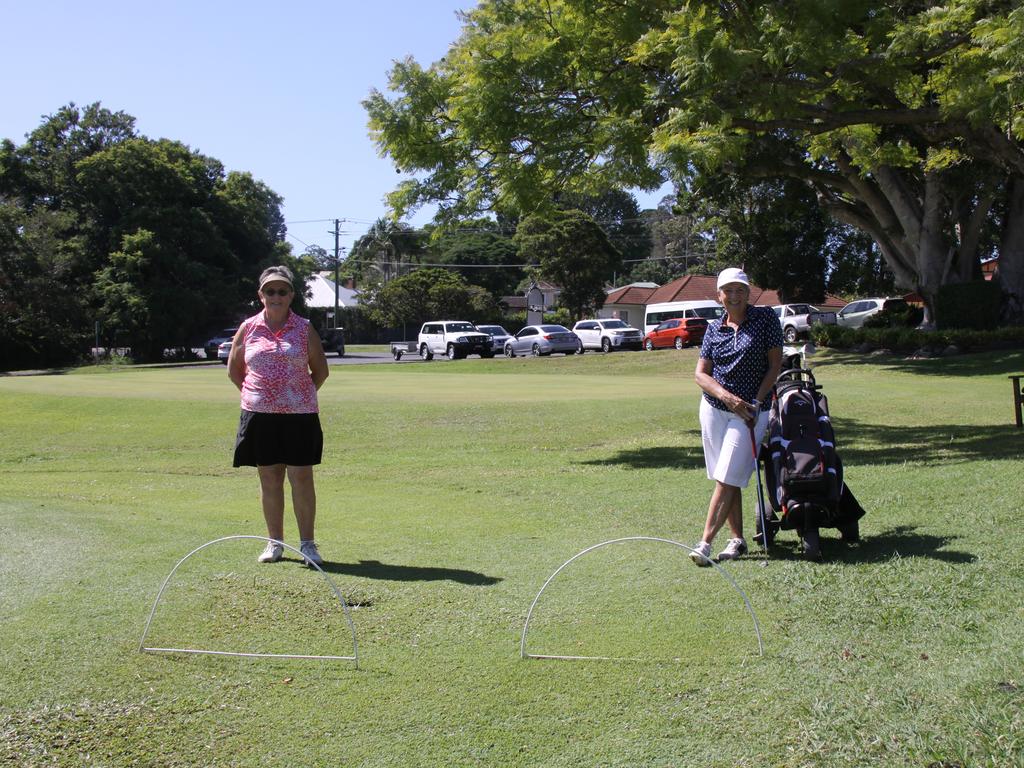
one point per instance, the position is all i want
(629, 294)
(698, 288)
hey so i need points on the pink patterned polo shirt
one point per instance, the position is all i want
(277, 378)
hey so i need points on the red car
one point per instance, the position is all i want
(678, 332)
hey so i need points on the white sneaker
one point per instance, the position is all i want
(701, 554)
(733, 549)
(272, 553)
(310, 553)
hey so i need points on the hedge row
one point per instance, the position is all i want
(911, 339)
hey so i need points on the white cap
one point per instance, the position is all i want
(732, 275)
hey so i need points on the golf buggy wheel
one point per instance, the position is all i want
(397, 354)
(649, 345)
(535, 350)
(850, 533)
(789, 335)
(425, 352)
(509, 352)
(451, 353)
(679, 342)
(606, 345)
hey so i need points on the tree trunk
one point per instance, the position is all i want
(933, 253)
(1011, 255)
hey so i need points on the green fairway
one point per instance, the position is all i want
(449, 493)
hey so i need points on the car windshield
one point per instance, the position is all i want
(554, 329)
(802, 309)
(456, 327)
(493, 330)
(709, 313)
(614, 324)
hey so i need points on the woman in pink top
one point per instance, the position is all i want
(278, 364)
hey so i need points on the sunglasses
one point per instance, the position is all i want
(282, 292)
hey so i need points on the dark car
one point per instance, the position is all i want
(333, 340)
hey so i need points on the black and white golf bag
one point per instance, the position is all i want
(803, 471)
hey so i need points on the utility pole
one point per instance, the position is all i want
(337, 266)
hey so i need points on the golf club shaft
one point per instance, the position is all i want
(760, 488)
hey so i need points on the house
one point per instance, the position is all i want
(550, 292)
(629, 303)
(320, 292)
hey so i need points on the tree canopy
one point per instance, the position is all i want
(152, 240)
(574, 253)
(903, 118)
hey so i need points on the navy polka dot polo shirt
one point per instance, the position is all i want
(739, 359)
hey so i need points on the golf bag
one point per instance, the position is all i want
(803, 472)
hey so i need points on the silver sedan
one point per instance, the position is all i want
(542, 340)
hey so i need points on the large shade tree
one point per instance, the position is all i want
(904, 118)
(151, 239)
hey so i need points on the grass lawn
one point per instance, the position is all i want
(449, 493)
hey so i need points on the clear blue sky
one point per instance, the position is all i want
(272, 88)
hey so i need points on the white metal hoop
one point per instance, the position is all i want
(721, 571)
(344, 606)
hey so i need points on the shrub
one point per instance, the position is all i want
(905, 316)
(968, 305)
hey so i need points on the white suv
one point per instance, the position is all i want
(454, 338)
(606, 334)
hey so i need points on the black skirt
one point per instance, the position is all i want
(264, 439)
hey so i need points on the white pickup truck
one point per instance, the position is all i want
(797, 319)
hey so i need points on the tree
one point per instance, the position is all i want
(480, 242)
(574, 253)
(618, 214)
(147, 237)
(903, 118)
(428, 294)
(386, 251)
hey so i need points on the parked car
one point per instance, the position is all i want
(223, 350)
(606, 334)
(454, 338)
(542, 340)
(498, 336)
(678, 332)
(333, 340)
(797, 319)
(855, 313)
(211, 347)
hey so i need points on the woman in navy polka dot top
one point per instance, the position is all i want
(739, 360)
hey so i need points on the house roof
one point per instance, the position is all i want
(321, 294)
(698, 288)
(630, 294)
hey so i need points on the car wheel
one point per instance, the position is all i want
(606, 345)
(425, 352)
(451, 353)
(678, 343)
(509, 352)
(649, 345)
(580, 349)
(535, 350)
(789, 334)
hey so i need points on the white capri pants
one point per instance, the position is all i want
(727, 451)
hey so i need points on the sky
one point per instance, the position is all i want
(272, 88)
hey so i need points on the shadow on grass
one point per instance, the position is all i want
(662, 457)
(932, 444)
(901, 541)
(374, 569)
